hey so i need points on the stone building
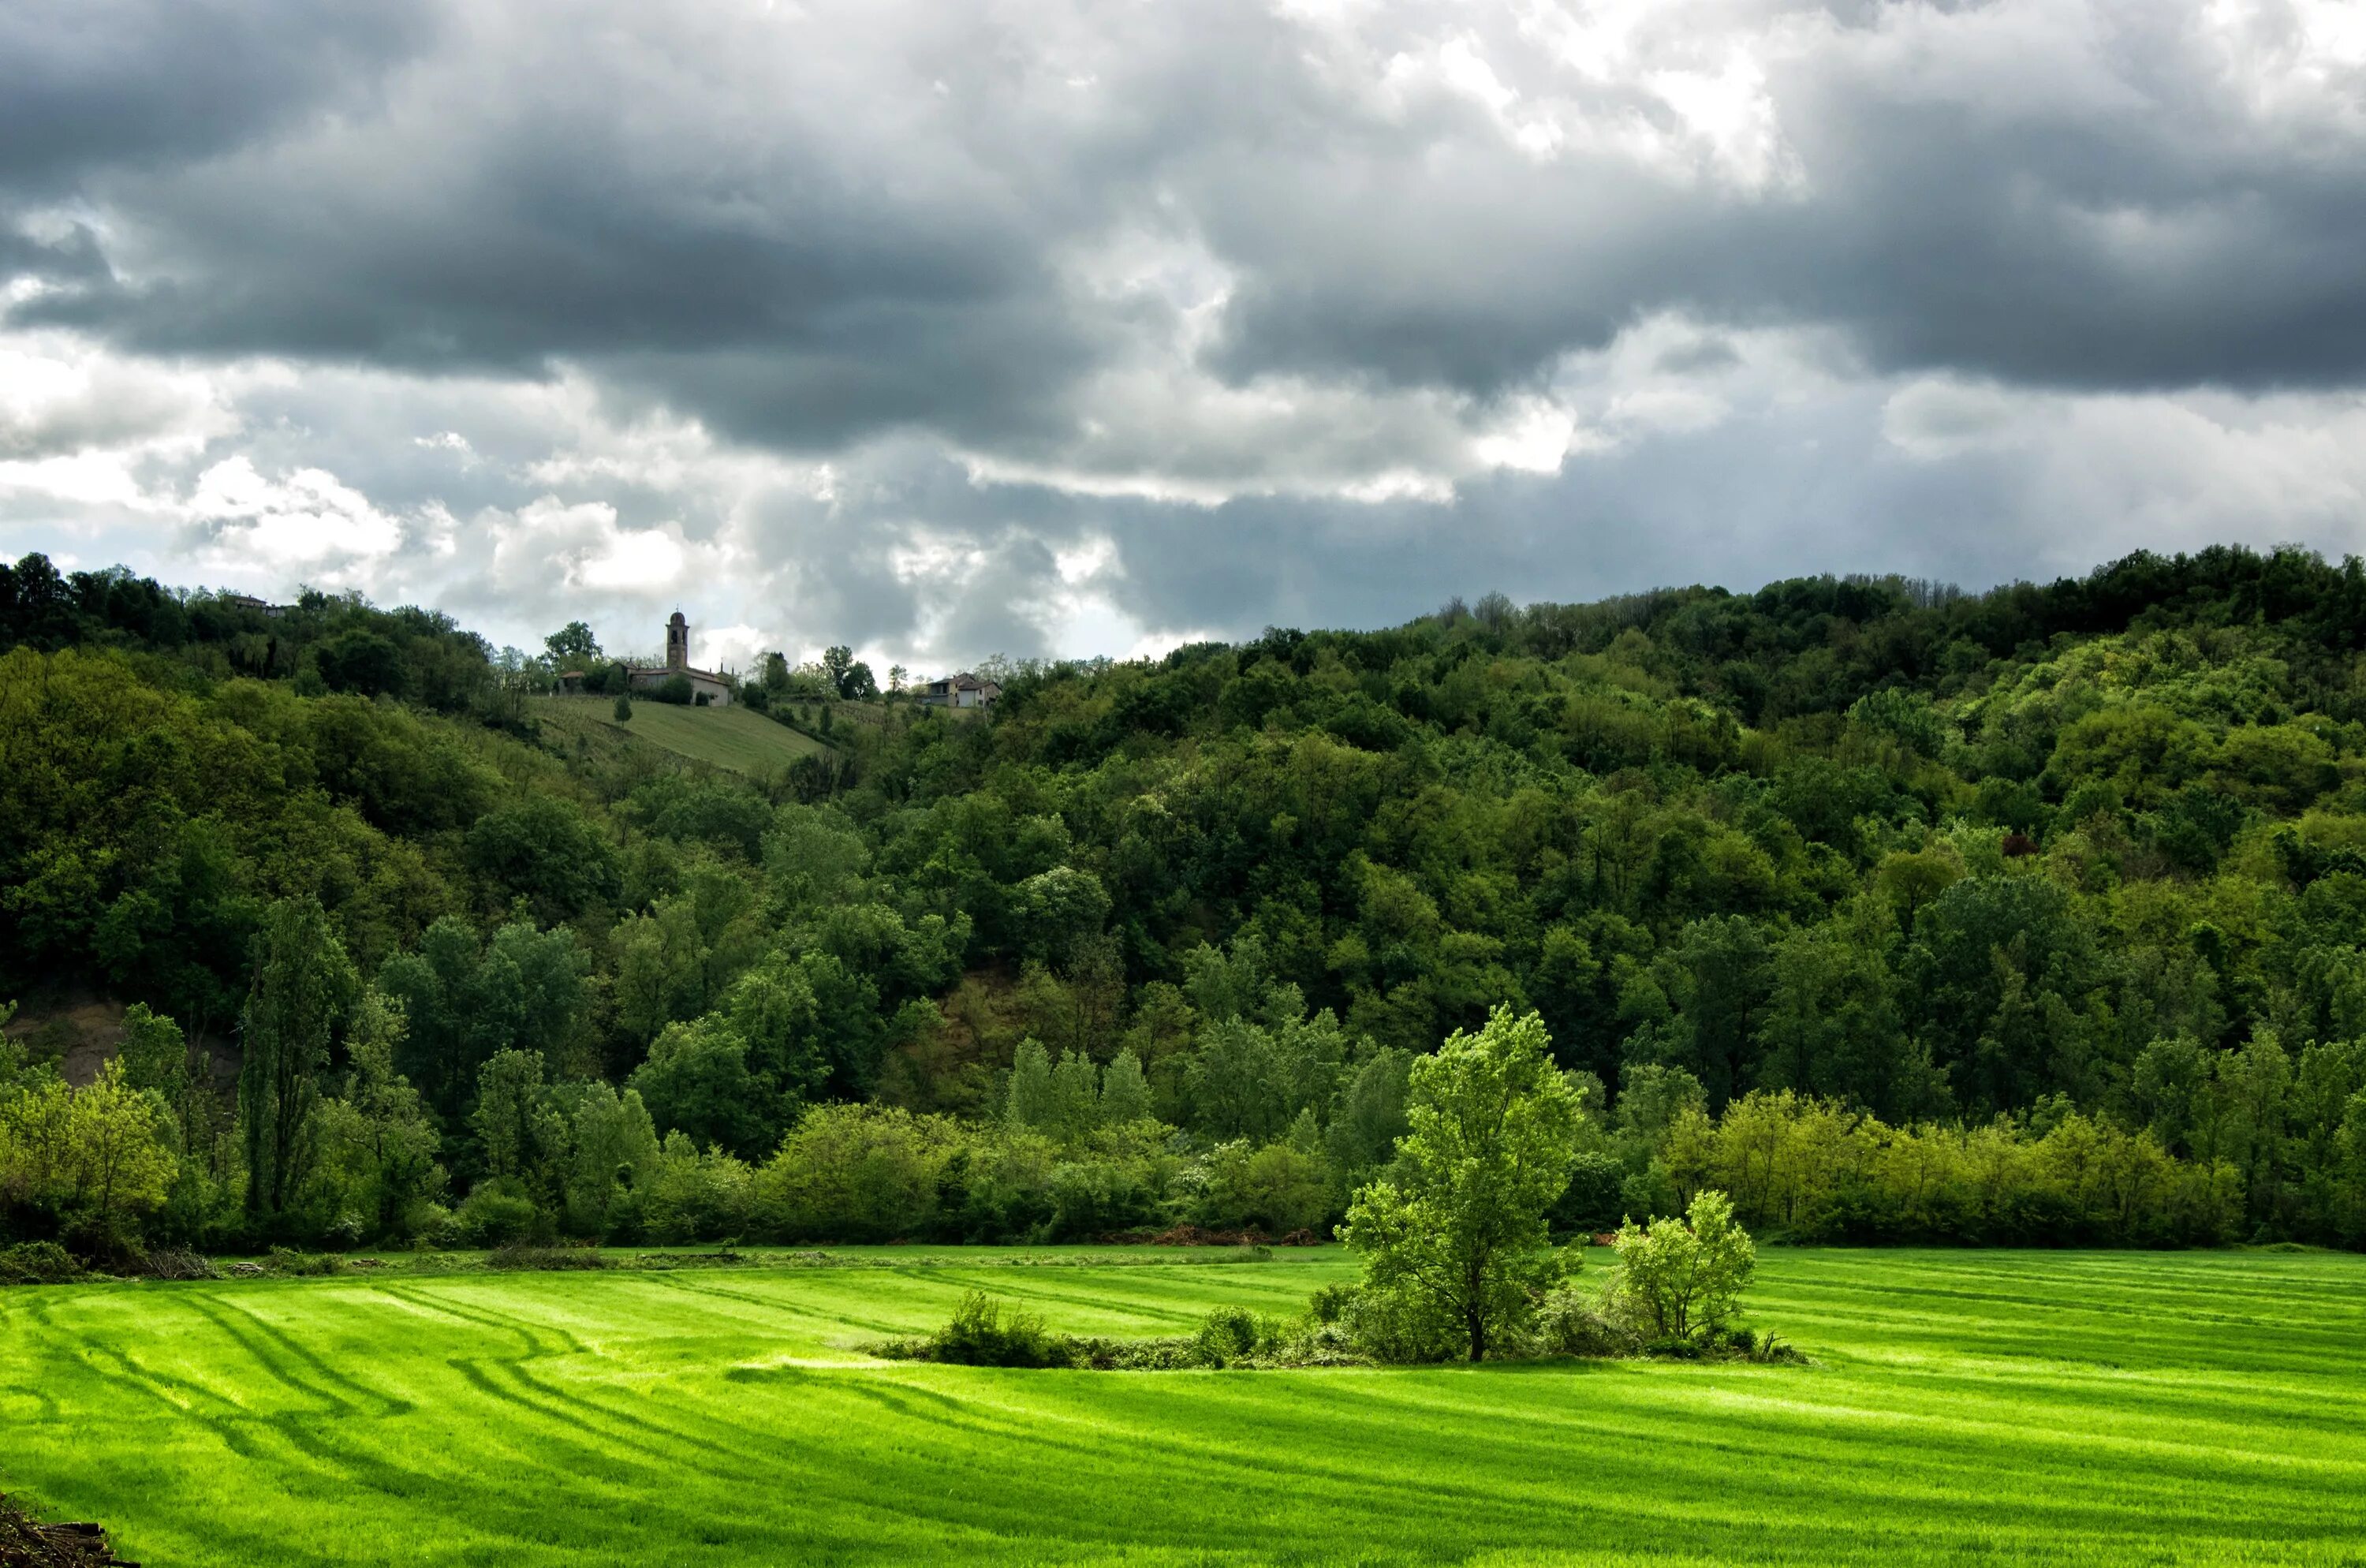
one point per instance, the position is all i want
(703, 683)
(962, 691)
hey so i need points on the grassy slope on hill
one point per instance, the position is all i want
(729, 737)
(2018, 1407)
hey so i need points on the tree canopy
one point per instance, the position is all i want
(2055, 887)
(1456, 1230)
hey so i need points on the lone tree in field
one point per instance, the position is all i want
(304, 988)
(1457, 1235)
(1681, 1280)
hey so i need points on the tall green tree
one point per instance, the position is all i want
(379, 1131)
(1457, 1234)
(303, 993)
(573, 644)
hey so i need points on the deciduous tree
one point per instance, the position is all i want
(1457, 1232)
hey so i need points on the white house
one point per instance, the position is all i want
(962, 691)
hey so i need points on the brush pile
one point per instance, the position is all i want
(26, 1543)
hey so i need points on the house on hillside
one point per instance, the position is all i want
(962, 691)
(249, 601)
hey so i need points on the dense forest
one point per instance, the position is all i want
(1896, 912)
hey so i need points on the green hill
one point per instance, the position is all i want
(730, 737)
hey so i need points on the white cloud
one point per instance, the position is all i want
(303, 525)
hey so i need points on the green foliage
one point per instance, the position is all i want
(1456, 1234)
(464, 1000)
(696, 1080)
(305, 989)
(984, 1331)
(853, 1173)
(89, 1161)
(1815, 1169)
(154, 1054)
(544, 850)
(573, 644)
(379, 1142)
(2071, 856)
(1680, 1280)
(37, 1263)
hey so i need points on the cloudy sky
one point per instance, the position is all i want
(952, 327)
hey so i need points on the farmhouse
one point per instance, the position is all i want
(962, 691)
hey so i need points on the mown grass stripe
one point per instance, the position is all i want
(1994, 1407)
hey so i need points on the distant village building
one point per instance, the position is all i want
(249, 601)
(962, 691)
(705, 684)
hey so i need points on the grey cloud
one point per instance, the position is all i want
(2137, 230)
(899, 235)
(867, 220)
(85, 84)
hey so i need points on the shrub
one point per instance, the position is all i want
(1229, 1333)
(521, 1257)
(981, 1333)
(1569, 1323)
(854, 1173)
(285, 1260)
(624, 708)
(491, 1217)
(694, 1195)
(1680, 1281)
(1392, 1327)
(431, 1224)
(37, 1263)
(1329, 1303)
(1275, 1189)
(1235, 1337)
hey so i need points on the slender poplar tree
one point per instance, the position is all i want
(304, 991)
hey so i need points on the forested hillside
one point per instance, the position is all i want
(2033, 915)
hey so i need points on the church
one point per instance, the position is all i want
(704, 684)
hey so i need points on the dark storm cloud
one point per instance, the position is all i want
(945, 330)
(88, 83)
(809, 229)
(2131, 225)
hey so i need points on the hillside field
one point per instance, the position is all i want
(1960, 1407)
(729, 737)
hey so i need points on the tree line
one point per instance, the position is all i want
(1893, 912)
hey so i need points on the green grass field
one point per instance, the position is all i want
(1961, 1407)
(729, 737)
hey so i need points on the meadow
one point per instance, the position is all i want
(1959, 1407)
(729, 737)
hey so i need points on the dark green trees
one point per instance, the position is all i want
(304, 991)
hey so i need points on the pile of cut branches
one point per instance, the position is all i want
(26, 1543)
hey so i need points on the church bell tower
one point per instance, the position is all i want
(676, 643)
